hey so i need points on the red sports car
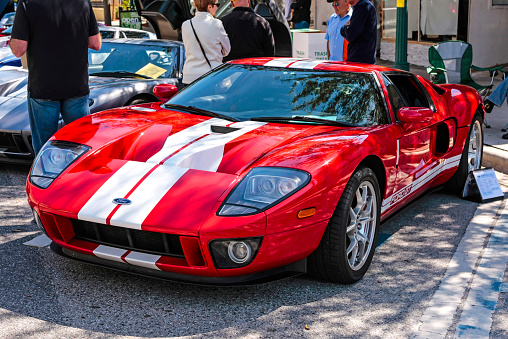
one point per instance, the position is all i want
(261, 169)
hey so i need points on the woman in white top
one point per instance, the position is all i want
(212, 36)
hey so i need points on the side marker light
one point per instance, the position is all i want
(308, 212)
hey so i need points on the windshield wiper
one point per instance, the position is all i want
(192, 109)
(303, 118)
(121, 74)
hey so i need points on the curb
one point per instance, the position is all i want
(495, 158)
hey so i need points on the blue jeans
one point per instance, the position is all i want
(499, 94)
(301, 24)
(44, 115)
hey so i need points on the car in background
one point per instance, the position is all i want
(261, 169)
(8, 59)
(6, 32)
(114, 32)
(123, 72)
(7, 21)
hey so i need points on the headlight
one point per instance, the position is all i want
(53, 159)
(262, 188)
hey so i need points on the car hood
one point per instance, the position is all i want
(176, 166)
(14, 82)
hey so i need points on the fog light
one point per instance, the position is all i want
(239, 251)
(234, 253)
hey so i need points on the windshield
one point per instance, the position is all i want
(148, 61)
(244, 92)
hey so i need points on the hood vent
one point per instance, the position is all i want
(223, 129)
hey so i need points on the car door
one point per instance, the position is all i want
(415, 149)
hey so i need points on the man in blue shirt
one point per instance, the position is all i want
(361, 32)
(336, 45)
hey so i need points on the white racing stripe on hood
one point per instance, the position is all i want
(306, 64)
(100, 205)
(203, 154)
(146, 196)
(8, 104)
(20, 92)
(281, 62)
(176, 141)
(206, 154)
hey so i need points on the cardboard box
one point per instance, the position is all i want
(309, 43)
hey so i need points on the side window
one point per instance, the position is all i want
(121, 34)
(409, 89)
(394, 96)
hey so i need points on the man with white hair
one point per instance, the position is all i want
(336, 45)
(249, 33)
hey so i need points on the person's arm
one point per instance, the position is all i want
(20, 31)
(94, 35)
(356, 25)
(95, 42)
(18, 47)
(224, 40)
(328, 49)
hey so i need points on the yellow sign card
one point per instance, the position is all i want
(152, 71)
(400, 3)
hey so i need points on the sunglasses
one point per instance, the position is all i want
(217, 4)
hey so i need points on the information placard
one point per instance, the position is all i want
(482, 184)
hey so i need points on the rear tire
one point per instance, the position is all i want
(348, 244)
(471, 158)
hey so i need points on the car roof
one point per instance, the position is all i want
(323, 65)
(133, 41)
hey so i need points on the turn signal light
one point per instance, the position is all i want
(308, 212)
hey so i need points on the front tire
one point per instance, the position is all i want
(348, 244)
(471, 158)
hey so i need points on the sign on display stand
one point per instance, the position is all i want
(482, 186)
(130, 19)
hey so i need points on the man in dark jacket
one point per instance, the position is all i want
(249, 33)
(361, 32)
(301, 13)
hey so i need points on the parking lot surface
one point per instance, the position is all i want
(402, 295)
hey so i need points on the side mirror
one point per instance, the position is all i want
(165, 91)
(412, 115)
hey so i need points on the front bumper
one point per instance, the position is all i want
(283, 272)
(281, 255)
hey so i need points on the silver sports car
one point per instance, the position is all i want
(123, 72)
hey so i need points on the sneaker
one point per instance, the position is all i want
(505, 136)
(489, 105)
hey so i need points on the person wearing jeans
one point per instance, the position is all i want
(498, 96)
(56, 44)
(45, 115)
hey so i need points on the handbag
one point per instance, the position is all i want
(201, 46)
